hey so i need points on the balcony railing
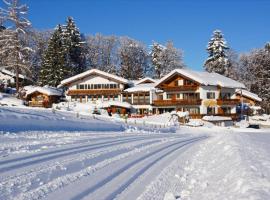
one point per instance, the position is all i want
(94, 92)
(221, 102)
(171, 102)
(180, 88)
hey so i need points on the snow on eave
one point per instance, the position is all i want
(144, 79)
(249, 95)
(92, 72)
(141, 88)
(204, 78)
(114, 103)
(50, 91)
(11, 74)
(216, 118)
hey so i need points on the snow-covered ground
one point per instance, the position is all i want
(47, 154)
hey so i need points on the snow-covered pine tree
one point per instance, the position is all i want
(172, 58)
(217, 60)
(165, 58)
(54, 66)
(156, 56)
(133, 56)
(256, 73)
(74, 47)
(11, 40)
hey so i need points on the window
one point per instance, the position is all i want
(211, 95)
(169, 96)
(178, 96)
(192, 110)
(77, 87)
(210, 110)
(227, 110)
(225, 95)
(81, 87)
(188, 82)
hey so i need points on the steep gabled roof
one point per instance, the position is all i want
(204, 78)
(50, 91)
(142, 81)
(249, 95)
(93, 72)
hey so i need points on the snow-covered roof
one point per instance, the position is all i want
(51, 91)
(144, 79)
(216, 118)
(92, 72)
(249, 94)
(11, 74)
(142, 88)
(107, 104)
(204, 78)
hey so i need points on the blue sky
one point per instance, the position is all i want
(188, 23)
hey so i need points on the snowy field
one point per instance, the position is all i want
(59, 155)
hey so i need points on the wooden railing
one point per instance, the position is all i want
(177, 102)
(94, 92)
(199, 116)
(36, 103)
(180, 88)
(221, 102)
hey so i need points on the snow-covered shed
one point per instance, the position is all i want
(37, 96)
(219, 120)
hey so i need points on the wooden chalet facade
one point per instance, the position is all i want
(41, 96)
(199, 93)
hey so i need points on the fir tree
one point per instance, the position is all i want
(54, 68)
(74, 47)
(217, 60)
(156, 55)
(133, 57)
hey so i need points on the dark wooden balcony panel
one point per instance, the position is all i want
(180, 88)
(94, 92)
(177, 102)
(221, 102)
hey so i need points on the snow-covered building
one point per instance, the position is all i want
(199, 93)
(41, 96)
(248, 97)
(8, 77)
(96, 86)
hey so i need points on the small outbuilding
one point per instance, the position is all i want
(219, 120)
(36, 96)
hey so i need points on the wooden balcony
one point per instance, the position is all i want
(177, 102)
(224, 102)
(94, 92)
(180, 88)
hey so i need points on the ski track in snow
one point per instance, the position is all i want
(34, 175)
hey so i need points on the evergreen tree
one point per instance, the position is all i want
(133, 56)
(54, 68)
(74, 47)
(217, 60)
(156, 55)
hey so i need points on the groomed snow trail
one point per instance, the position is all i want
(88, 166)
